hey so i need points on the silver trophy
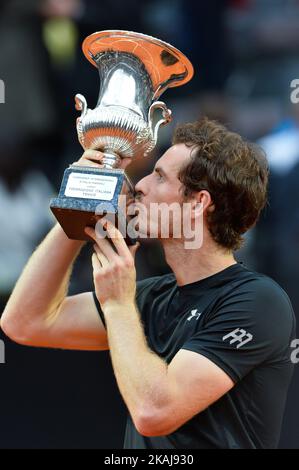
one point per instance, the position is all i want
(135, 70)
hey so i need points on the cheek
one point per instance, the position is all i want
(159, 192)
(164, 192)
(169, 193)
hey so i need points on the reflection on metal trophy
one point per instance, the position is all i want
(135, 70)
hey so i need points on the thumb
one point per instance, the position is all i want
(134, 248)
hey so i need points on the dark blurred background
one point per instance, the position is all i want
(245, 55)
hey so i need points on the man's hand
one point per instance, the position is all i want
(95, 158)
(114, 271)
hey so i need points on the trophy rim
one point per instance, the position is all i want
(89, 40)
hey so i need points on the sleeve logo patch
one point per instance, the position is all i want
(238, 336)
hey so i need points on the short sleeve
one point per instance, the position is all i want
(99, 308)
(252, 324)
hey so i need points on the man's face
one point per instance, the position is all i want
(159, 189)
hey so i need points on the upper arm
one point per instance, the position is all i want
(75, 325)
(195, 382)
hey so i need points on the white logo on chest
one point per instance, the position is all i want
(194, 314)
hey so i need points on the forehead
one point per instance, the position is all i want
(173, 159)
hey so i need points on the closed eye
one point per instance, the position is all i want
(159, 173)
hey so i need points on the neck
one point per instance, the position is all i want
(193, 265)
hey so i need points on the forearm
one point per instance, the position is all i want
(43, 284)
(142, 376)
(140, 373)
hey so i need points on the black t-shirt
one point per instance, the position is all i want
(242, 321)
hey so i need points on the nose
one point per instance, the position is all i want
(140, 188)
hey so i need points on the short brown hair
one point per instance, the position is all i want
(235, 173)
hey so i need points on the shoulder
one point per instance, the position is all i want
(258, 301)
(262, 289)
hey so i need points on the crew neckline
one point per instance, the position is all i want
(214, 278)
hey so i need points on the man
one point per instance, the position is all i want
(201, 356)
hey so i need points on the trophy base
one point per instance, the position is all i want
(86, 195)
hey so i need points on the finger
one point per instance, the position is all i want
(125, 162)
(96, 265)
(102, 243)
(90, 158)
(101, 257)
(116, 237)
(83, 162)
(90, 154)
(90, 232)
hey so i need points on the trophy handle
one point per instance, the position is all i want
(166, 113)
(81, 104)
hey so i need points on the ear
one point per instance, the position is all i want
(201, 203)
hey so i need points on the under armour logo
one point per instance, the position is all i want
(194, 314)
(238, 335)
